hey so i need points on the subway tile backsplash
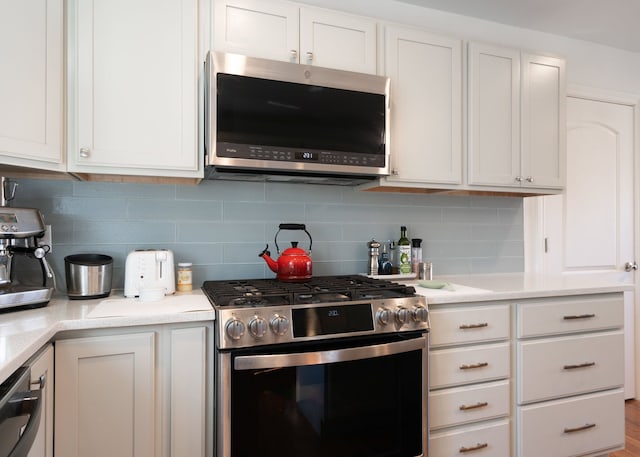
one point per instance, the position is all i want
(221, 226)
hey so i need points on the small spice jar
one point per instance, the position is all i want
(185, 277)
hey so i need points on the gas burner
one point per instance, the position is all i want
(321, 289)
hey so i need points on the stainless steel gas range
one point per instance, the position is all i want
(332, 367)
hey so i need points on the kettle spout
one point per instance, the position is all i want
(272, 264)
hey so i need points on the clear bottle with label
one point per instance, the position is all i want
(404, 252)
(385, 261)
(393, 257)
(185, 277)
(416, 254)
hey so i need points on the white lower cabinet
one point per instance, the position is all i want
(105, 396)
(469, 380)
(142, 393)
(569, 376)
(538, 377)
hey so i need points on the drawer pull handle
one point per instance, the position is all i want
(579, 316)
(474, 365)
(477, 447)
(476, 406)
(579, 429)
(469, 326)
(580, 365)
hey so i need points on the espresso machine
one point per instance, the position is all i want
(21, 230)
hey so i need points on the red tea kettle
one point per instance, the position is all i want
(295, 263)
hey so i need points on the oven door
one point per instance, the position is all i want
(346, 398)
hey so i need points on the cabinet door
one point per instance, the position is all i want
(31, 36)
(469, 365)
(337, 40)
(426, 110)
(468, 324)
(490, 439)
(543, 121)
(42, 378)
(582, 425)
(105, 393)
(494, 116)
(557, 367)
(133, 87)
(257, 28)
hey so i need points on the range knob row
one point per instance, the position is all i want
(235, 328)
(402, 315)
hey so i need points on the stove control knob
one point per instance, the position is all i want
(419, 314)
(279, 324)
(383, 316)
(402, 315)
(235, 328)
(258, 327)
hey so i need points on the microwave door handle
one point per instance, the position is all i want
(27, 403)
(253, 362)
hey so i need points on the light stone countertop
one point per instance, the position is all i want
(24, 332)
(518, 286)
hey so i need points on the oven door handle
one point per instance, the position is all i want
(260, 362)
(25, 403)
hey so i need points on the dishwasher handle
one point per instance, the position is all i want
(24, 403)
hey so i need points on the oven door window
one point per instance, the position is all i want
(358, 408)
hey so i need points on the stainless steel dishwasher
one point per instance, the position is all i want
(19, 414)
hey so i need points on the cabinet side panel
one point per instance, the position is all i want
(188, 392)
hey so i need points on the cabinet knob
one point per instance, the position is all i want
(40, 383)
(394, 172)
(294, 55)
(518, 179)
(84, 152)
(309, 56)
(529, 179)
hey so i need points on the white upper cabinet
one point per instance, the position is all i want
(516, 119)
(133, 88)
(287, 32)
(426, 110)
(544, 122)
(31, 87)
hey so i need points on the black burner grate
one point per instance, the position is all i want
(321, 289)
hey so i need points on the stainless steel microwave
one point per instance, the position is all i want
(272, 120)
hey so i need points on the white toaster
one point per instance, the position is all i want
(149, 269)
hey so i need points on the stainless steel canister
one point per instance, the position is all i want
(88, 275)
(425, 271)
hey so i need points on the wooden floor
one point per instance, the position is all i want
(632, 414)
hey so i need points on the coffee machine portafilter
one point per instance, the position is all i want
(20, 230)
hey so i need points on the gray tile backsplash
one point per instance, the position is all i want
(221, 226)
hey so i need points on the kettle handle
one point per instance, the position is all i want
(302, 227)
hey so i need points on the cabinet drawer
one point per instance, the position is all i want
(464, 405)
(488, 440)
(468, 325)
(570, 315)
(556, 367)
(571, 427)
(451, 367)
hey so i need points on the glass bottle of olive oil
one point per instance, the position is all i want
(404, 252)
